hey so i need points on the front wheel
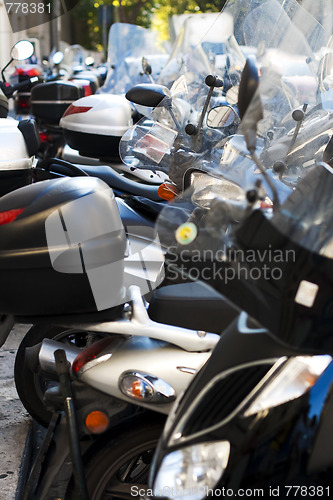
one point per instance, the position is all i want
(30, 385)
(117, 468)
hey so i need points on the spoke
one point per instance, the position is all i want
(126, 474)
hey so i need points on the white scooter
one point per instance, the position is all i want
(19, 140)
(94, 125)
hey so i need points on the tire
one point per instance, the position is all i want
(114, 465)
(31, 386)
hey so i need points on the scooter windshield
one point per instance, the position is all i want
(197, 53)
(74, 58)
(127, 45)
(275, 264)
(286, 41)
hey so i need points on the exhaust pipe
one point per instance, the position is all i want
(41, 356)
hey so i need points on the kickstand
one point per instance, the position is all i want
(69, 409)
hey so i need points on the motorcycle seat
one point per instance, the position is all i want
(192, 305)
(106, 173)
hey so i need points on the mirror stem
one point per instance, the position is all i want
(276, 201)
(5, 67)
(169, 108)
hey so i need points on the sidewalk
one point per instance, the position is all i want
(14, 419)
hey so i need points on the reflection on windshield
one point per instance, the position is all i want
(307, 215)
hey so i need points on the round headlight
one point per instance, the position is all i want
(189, 472)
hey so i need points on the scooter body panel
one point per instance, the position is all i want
(144, 356)
(13, 150)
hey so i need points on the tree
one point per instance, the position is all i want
(146, 13)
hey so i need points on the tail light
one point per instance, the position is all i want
(22, 101)
(87, 90)
(43, 136)
(28, 72)
(73, 110)
(9, 215)
(98, 351)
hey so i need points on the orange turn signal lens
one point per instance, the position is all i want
(97, 422)
(167, 191)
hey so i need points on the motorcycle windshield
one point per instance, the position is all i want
(276, 265)
(74, 57)
(127, 45)
(203, 46)
(286, 41)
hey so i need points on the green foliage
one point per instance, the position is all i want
(147, 13)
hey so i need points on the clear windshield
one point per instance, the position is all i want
(203, 45)
(286, 41)
(127, 45)
(74, 58)
(280, 31)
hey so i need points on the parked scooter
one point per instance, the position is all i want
(257, 415)
(208, 236)
(30, 386)
(19, 139)
(94, 125)
(264, 396)
(132, 382)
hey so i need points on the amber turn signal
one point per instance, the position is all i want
(167, 191)
(97, 422)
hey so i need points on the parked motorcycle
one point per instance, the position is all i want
(94, 125)
(135, 383)
(251, 418)
(31, 386)
(20, 139)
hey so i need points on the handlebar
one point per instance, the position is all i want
(9, 89)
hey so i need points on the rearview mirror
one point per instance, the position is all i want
(221, 116)
(148, 94)
(57, 57)
(22, 50)
(146, 67)
(248, 85)
(90, 61)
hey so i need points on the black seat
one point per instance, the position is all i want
(192, 305)
(118, 181)
(106, 173)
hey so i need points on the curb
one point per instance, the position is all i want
(26, 463)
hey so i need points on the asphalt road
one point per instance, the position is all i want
(14, 419)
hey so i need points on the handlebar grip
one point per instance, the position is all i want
(8, 89)
(25, 83)
(213, 81)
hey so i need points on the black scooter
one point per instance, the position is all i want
(257, 416)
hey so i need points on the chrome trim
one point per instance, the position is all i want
(93, 362)
(185, 369)
(56, 101)
(177, 432)
(46, 354)
(164, 395)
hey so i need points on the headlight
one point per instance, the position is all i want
(190, 472)
(207, 188)
(294, 379)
